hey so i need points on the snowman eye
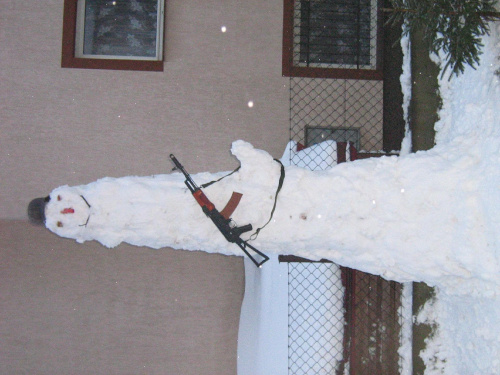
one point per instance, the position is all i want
(59, 224)
(59, 198)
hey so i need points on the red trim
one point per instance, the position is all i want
(353, 349)
(365, 74)
(287, 53)
(341, 152)
(353, 152)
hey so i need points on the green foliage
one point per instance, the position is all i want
(452, 26)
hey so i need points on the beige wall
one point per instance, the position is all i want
(72, 126)
(70, 308)
(86, 310)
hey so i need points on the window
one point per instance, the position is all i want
(331, 39)
(317, 134)
(113, 34)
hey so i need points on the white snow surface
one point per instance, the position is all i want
(429, 216)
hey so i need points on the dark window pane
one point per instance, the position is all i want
(120, 27)
(335, 32)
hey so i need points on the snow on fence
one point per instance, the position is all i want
(342, 321)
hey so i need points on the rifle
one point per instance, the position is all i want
(222, 221)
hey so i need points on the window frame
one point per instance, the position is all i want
(291, 70)
(69, 60)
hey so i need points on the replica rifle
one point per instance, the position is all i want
(221, 220)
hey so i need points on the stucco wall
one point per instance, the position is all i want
(88, 310)
(72, 126)
(71, 308)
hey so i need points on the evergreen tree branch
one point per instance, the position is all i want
(452, 26)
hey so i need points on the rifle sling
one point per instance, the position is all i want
(214, 181)
(280, 185)
(235, 200)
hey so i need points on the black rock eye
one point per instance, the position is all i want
(59, 224)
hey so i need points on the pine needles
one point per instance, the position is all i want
(452, 26)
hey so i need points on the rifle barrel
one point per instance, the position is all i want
(189, 181)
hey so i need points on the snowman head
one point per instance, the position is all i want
(67, 212)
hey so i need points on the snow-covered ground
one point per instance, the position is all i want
(467, 339)
(430, 216)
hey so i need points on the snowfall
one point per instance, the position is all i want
(430, 216)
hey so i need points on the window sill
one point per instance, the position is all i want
(109, 64)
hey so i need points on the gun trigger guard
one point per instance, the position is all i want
(231, 205)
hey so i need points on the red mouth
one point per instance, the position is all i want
(68, 211)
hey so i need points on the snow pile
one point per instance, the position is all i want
(467, 337)
(431, 216)
(317, 157)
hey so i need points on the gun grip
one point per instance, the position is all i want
(231, 205)
(245, 228)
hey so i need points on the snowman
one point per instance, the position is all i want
(383, 215)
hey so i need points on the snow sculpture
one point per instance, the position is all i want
(416, 217)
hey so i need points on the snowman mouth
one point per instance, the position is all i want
(88, 217)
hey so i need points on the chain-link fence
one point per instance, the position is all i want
(342, 321)
(316, 318)
(337, 109)
(342, 62)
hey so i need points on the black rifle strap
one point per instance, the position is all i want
(280, 185)
(213, 182)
